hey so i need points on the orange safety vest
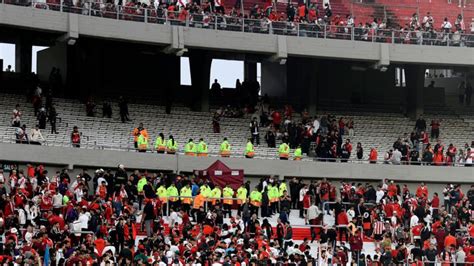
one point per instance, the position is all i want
(198, 201)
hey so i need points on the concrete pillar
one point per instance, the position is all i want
(415, 79)
(250, 71)
(200, 66)
(23, 56)
(274, 80)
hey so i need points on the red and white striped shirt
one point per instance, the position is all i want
(379, 227)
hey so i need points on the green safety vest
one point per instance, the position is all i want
(141, 183)
(284, 149)
(282, 188)
(162, 192)
(242, 193)
(142, 142)
(170, 145)
(216, 193)
(190, 147)
(225, 146)
(256, 196)
(298, 152)
(160, 143)
(172, 192)
(205, 191)
(249, 147)
(228, 192)
(185, 191)
(202, 147)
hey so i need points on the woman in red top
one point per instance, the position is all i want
(342, 222)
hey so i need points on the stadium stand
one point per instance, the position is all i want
(373, 128)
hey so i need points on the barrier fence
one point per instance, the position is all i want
(315, 29)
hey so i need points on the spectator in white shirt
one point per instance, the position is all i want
(446, 26)
(379, 195)
(396, 157)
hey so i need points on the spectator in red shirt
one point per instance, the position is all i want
(342, 222)
(422, 191)
(435, 124)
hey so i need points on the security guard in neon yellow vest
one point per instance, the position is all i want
(141, 183)
(173, 196)
(202, 148)
(282, 188)
(190, 148)
(142, 143)
(160, 144)
(225, 148)
(255, 200)
(274, 196)
(171, 145)
(228, 194)
(284, 151)
(186, 200)
(206, 193)
(216, 194)
(249, 150)
(242, 197)
(162, 194)
(298, 153)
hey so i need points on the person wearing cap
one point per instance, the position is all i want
(186, 197)
(190, 148)
(225, 148)
(160, 143)
(202, 148)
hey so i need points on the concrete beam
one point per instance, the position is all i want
(57, 156)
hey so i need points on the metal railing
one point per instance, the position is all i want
(317, 29)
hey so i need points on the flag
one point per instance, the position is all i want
(46, 256)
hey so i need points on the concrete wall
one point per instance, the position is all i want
(231, 41)
(54, 56)
(70, 157)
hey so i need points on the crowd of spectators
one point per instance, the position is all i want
(121, 217)
(312, 20)
(419, 147)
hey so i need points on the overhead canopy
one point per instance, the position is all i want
(221, 175)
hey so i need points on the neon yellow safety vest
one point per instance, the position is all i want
(160, 144)
(242, 194)
(142, 143)
(284, 150)
(249, 148)
(190, 147)
(202, 147)
(298, 153)
(225, 146)
(170, 146)
(282, 188)
(141, 183)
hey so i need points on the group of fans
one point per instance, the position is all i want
(147, 218)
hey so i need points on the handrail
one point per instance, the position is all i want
(315, 29)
